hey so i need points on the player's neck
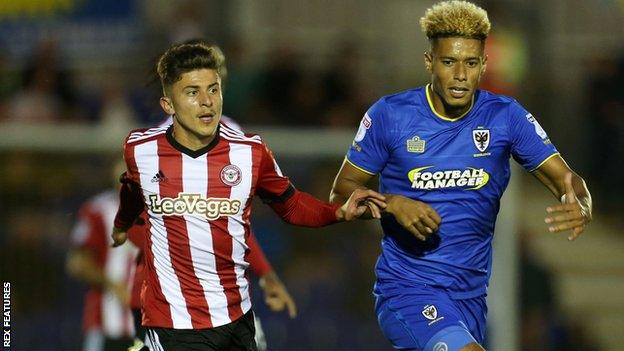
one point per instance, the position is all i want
(444, 110)
(190, 140)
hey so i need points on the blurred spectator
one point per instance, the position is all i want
(9, 83)
(606, 115)
(47, 94)
(507, 51)
(241, 81)
(189, 22)
(543, 327)
(344, 98)
(536, 300)
(279, 90)
(116, 113)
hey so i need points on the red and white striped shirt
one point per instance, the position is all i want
(258, 262)
(199, 205)
(102, 308)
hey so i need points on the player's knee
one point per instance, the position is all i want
(473, 346)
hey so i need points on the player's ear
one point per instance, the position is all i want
(428, 61)
(166, 105)
(484, 64)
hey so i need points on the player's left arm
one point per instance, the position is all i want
(276, 295)
(300, 208)
(575, 210)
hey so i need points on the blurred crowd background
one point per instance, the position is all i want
(70, 66)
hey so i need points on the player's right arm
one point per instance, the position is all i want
(88, 241)
(130, 197)
(369, 153)
(415, 216)
(82, 266)
(130, 207)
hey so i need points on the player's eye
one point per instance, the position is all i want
(214, 90)
(472, 64)
(191, 92)
(447, 62)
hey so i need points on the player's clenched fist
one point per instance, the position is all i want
(417, 217)
(119, 236)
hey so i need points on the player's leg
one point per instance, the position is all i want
(161, 339)
(235, 336)
(472, 347)
(421, 318)
(474, 312)
(139, 332)
(243, 333)
(117, 344)
(260, 337)
(93, 340)
(473, 315)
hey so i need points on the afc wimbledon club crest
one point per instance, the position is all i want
(231, 175)
(430, 312)
(481, 138)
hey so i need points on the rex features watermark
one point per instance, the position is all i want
(6, 314)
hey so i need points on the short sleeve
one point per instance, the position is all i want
(132, 172)
(272, 184)
(369, 151)
(530, 143)
(88, 230)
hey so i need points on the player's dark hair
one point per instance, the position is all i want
(186, 57)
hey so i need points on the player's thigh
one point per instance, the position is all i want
(422, 319)
(139, 330)
(243, 334)
(119, 344)
(259, 337)
(159, 339)
(474, 311)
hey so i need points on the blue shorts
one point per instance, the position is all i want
(425, 318)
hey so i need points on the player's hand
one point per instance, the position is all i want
(359, 202)
(119, 237)
(416, 217)
(276, 296)
(121, 292)
(572, 214)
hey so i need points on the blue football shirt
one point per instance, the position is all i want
(459, 167)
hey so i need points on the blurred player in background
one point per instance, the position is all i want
(197, 178)
(107, 321)
(442, 152)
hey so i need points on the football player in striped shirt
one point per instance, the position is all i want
(276, 296)
(442, 155)
(197, 179)
(107, 321)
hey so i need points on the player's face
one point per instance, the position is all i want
(196, 103)
(456, 66)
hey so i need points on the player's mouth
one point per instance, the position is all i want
(207, 117)
(458, 92)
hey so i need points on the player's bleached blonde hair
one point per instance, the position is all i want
(455, 19)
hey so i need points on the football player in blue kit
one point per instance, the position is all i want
(442, 155)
